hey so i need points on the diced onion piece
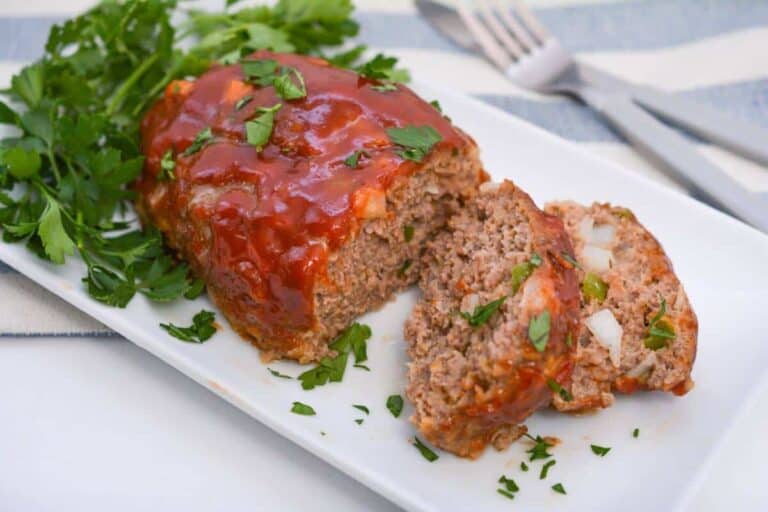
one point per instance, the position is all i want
(585, 228)
(603, 235)
(470, 302)
(645, 365)
(607, 332)
(489, 187)
(370, 203)
(432, 188)
(596, 259)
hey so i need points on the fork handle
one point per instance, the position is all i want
(678, 156)
(739, 136)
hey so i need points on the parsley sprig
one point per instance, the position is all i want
(331, 369)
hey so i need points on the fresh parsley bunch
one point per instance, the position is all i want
(65, 174)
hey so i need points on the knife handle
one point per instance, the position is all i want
(739, 136)
(678, 156)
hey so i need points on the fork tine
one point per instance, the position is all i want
(514, 26)
(499, 31)
(531, 21)
(490, 46)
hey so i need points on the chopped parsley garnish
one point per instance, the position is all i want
(259, 130)
(383, 68)
(384, 87)
(243, 102)
(481, 314)
(303, 409)
(523, 271)
(425, 450)
(545, 469)
(569, 340)
(560, 390)
(290, 84)
(659, 331)
(437, 105)
(404, 268)
(395, 405)
(200, 331)
(505, 493)
(570, 259)
(195, 290)
(601, 451)
(636, 433)
(259, 72)
(593, 287)
(415, 141)
(353, 159)
(539, 449)
(523, 466)
(538, 331)
(359, 421)
(362, 367)
(508, 484)
(202, 138)
(559, 488)
(408, 232)
(278, 374)
(362, 408)
(331, 369)
(167, 166)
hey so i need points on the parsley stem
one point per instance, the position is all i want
(117, 98)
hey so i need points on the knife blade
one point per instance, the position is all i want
(708, 123)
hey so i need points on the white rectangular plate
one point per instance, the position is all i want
(720, 261)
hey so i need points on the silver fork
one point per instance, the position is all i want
(513, 39)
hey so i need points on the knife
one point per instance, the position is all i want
(707, 123)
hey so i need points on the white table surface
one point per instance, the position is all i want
(98, 424)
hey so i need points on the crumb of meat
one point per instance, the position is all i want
(639, 277)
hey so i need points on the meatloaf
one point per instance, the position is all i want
(489, 340)
(639, 329)
(322, 222)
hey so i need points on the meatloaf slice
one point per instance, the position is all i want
(300, 212)
(639, 329)
(490, 336)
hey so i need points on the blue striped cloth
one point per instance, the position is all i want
(712, 51)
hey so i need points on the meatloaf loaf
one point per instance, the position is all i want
(490, 339)
(639, 329)
(321, 222)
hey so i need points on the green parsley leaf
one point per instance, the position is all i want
(559, 488)
(523, 271)
(538, 330)
(259, 130)
(545, 469)
(383, 68)
(506, 493)
(482, 314)
(557, 388)
(353, 159)
(593, 287)
(21, 163)
(362, 408)
(290, 84)
(260, 72)
(202, 138)
(426, 452)
(636, 433)
(570, 259)
(659, 330)
(536, 260)
(404, 268)
(167, 166)
(242, 102)
(56, 241)
(395, 405)
(599, 450)
(523, 466)
(195, 289)
(362, 367)
(408, 232)
(359, 421)
(508, 483)
(437, 105)
(539, 449)
(278, 374)
(200, 331)
(415, 141)
(303, 409)
(331, 369)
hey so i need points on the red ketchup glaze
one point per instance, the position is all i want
(271, 217)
